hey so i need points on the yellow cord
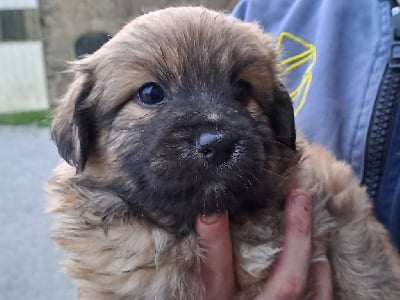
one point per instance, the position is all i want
(293, 62)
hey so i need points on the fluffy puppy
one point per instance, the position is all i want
(181, 114)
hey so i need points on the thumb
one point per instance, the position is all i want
(217, 271)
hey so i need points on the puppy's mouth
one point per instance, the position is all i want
(190, 174)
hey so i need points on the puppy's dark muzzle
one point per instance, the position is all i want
(217, 148)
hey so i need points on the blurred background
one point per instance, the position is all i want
(37, 38)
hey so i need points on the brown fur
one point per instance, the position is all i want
(126, 257)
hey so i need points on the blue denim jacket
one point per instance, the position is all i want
(334, 56)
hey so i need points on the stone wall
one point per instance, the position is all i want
(64, 22)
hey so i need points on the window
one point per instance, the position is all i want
(19, 25)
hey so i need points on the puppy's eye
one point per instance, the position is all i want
(150, 93)
(242, 90)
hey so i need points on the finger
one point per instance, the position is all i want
(217, 268)
(289, 274)
(320, 279)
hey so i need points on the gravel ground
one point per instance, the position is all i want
(29, 261)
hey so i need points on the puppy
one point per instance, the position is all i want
(183, 114)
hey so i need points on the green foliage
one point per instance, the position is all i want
(40, 118)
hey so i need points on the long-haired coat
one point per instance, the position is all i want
(181, 114)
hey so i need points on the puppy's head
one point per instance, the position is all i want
(182, 113)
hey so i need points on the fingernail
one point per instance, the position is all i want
(300, 200)
(319, 258)
(210, 219)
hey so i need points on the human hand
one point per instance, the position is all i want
(289, 274)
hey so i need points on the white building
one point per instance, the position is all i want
(22, 69)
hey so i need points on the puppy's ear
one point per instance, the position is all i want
(281, 116)
(73, 123)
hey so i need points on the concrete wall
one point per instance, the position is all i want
(65, 21)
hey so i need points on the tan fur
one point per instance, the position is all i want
(131, 259)
(254, 109)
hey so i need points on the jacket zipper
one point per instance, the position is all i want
(380, 130)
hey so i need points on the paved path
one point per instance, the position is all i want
(29, 268)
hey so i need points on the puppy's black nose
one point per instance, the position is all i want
(217, 148)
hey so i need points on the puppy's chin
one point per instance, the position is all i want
(172, 194)
(176, 209)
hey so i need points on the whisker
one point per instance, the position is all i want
(284, 136)
(276, 142)
(273, 173)
(280, 157)
(273, 140)
(204, 208)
